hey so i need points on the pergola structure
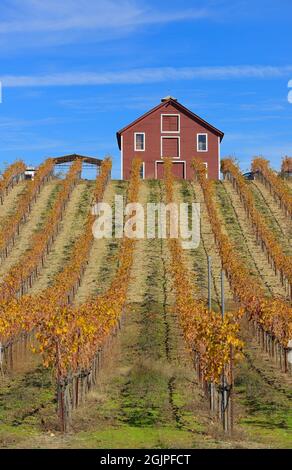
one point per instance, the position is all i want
(87, 161)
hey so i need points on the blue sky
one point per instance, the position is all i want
(74, 72)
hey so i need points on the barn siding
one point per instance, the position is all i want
(170, 147)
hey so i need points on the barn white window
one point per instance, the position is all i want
(202, 142)
(142, 171)
(139, 141)
(170, 123)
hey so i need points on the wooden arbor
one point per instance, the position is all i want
(88, 162)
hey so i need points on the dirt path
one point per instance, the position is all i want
(274, 216)
(33, 223)
(240, 231)
(191, 192)
(103, 260)
(10, 201)
(70, 227)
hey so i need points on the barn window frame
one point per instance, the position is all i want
(206, 166)
(161, 123)
(135, 141)
(169, 137)
(142, 171)
(206, 135)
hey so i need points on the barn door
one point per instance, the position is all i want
(178, 170)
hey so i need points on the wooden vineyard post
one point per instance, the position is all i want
(61, 392)
(61, 405)
(226, 384)
(230, 401)
(223, 372)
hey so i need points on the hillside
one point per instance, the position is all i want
(147, 393)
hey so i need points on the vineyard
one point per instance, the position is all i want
(137, 342)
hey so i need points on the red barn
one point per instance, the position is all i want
(170, 130)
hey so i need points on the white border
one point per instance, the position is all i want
(122, 158)
(207, 141)
(161, 123)
(169, 137)
(181, 161)
(219, 158)
(139, 150)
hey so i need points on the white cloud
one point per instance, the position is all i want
(17, 124)
(146, 75)
(36, 16)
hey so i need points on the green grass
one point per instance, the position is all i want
(267, 415)
(110, 265)
(26, 398)
(127, 437)
(233, 228)
(49, 206)
(198, 255)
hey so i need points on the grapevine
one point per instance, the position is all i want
(276, 185)
(18, 316)
(273, 316)
(21, 275)
(12, 173)
(279, 260)
(69, 337)
(204, 330)
(11, 224)
(286, 165)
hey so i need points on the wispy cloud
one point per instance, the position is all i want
(35, 24)
(18, 124)
(147, 75)
(264, 106)
(33, 16)
(255, 118)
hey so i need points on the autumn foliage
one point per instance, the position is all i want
(205, 331)
(12, 172)
(69, 336)
(280, 261)
(10, 225)
(20, 274)
(287, 165)
(23, 315)
(277, 186)
(273, 315)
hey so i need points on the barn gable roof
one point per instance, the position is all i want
(75, 156)
(180, 107)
